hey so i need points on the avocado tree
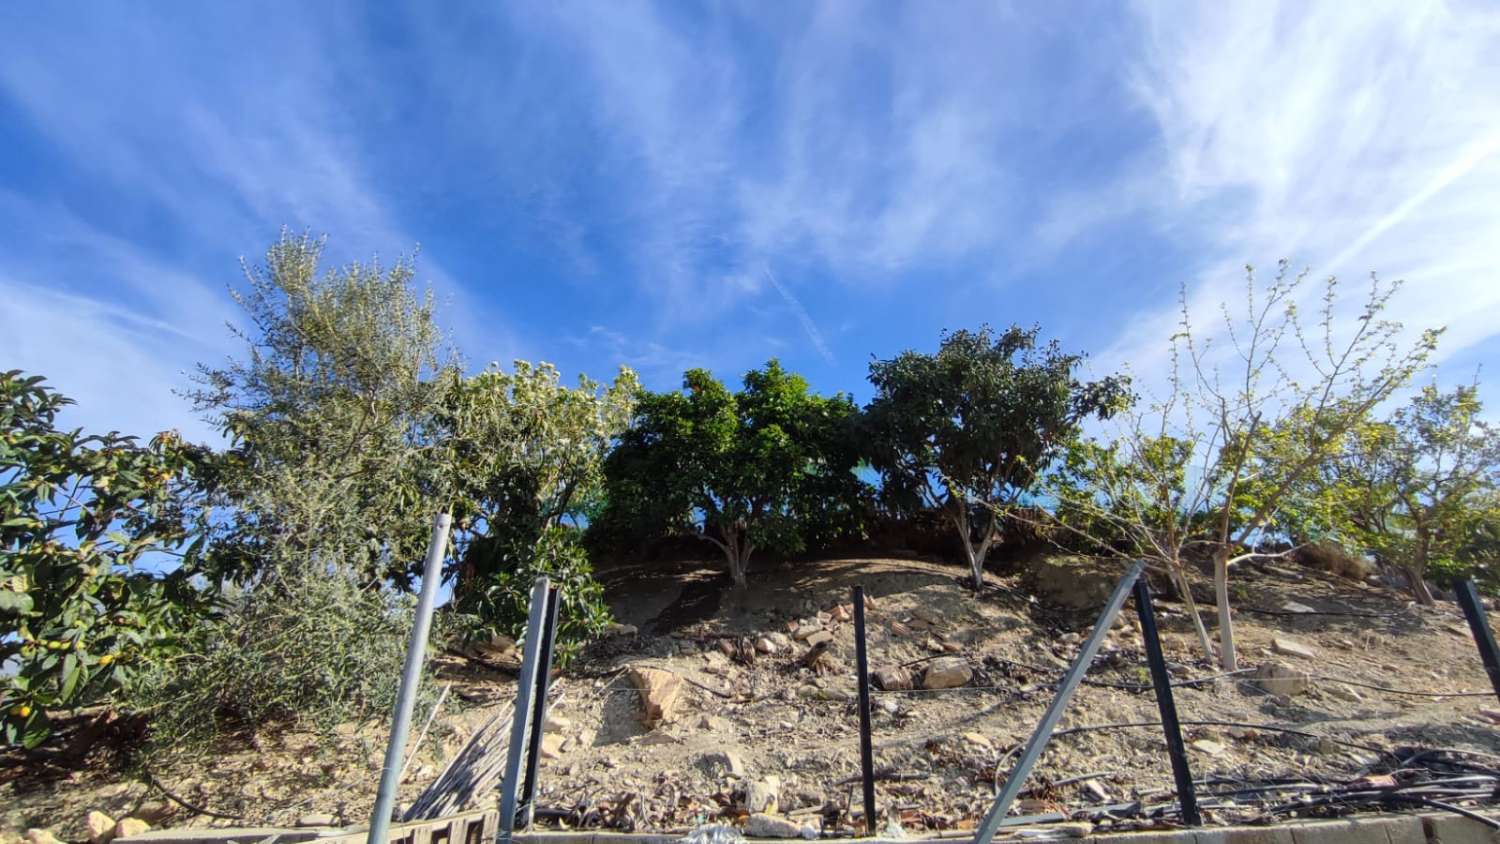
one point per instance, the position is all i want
(970, 429)
(79, 513)
(743, 471)
(522, 452)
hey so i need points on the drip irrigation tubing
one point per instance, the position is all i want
(1196, 681)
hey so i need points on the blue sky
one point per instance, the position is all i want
(682, 185)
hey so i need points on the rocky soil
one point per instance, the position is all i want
(749, 713)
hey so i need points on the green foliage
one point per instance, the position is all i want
(500, 601)
(327, 412)
(744, 471)
(78, 513)
(324, 652)
(1419, 490)
(524, 452)
(971, 428)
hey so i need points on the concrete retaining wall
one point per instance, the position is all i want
(480, 828)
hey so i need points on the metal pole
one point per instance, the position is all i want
(996, 816)
(539, 708)
(866, 752)
(520, 713)
(1479, 625)
(411, 677)
(1166, 704)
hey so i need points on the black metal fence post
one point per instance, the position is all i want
(1479, 625)
(866, 751)
(1166, 704)
(539, 708)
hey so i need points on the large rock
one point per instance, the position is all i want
(895, 679)
(806, 629)
(552, 746)
(496, 647)
(725, 761)
(761, 825)
(660, 693)
(1292, 647)
(819, 637)
(131, 826)
(100, 827)
(40, 836)
(1077, 583)
(763, 795)
(948, 672)
(1281, 679)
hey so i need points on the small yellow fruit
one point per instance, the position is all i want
(21, 710)
(106, 660)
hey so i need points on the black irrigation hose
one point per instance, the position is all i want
(1205, 723)
(1473, 816)
(1142, 687)
(1133, 687)
(1349, 613)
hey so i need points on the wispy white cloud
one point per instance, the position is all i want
(809, 327)
(219, 155)
(860, 146)
(1348, 138)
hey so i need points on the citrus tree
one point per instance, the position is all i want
(1418, 490)
(743, 471)
(79, 515)
(971, 429)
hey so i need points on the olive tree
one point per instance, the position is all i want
(970, 430)
(327, 413)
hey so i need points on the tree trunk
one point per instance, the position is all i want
(974, 556)
(1419, 589)
(976, 564)
(1179, 580)
(736, 547)
(1418, 568)
(1221, 598)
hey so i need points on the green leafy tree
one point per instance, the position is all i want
(327, 412)
(524, 452)
(1418, 490)
(500, 602)
(79, 513)
(743, 471)
(970, 430)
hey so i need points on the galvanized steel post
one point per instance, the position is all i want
(411, 677)
(539, 708)
(521, 713)
(995, 818)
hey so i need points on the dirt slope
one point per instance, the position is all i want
(780, 719)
